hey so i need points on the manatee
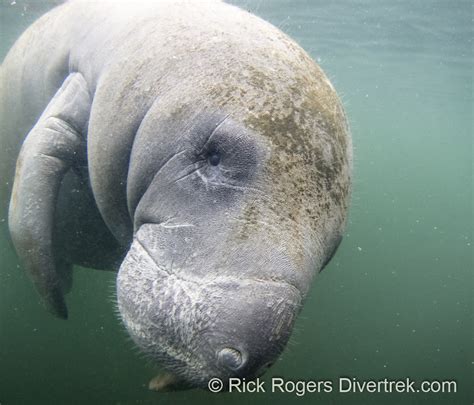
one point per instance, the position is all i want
(191, 147)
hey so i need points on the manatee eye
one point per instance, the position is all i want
(214, 158)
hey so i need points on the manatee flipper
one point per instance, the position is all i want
(54, 144)
(165, 382)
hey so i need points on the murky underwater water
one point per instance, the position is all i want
(395, 302)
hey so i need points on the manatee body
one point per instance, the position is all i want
(191, 146)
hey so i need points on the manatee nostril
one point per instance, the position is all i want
(230, 358)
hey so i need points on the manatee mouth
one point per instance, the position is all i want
(207, 326)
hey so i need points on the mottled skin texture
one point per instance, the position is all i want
(222, 255)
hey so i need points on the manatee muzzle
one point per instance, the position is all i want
(199, 327)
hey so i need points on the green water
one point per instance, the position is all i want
(395, 302)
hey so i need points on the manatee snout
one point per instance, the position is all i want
(250, 329)
(200, 320)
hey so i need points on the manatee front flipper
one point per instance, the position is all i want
(165, 382)
(51, 148)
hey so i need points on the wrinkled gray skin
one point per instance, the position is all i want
(194, 146)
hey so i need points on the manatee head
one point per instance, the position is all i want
(238, 187)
